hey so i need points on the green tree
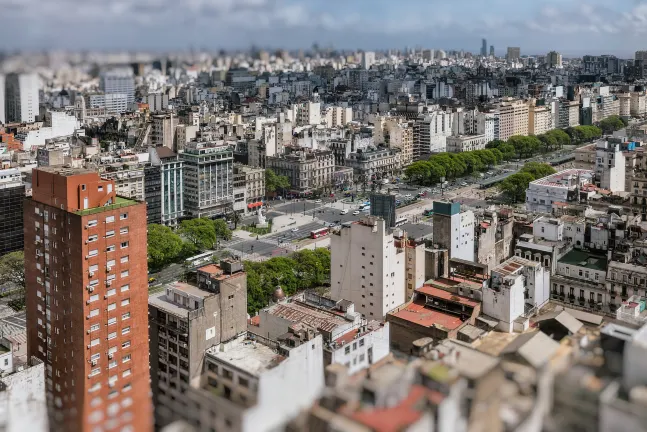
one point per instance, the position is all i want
(418, 172)
(164, 246)
(201, 232)
(274, 182)
(494, 144)
(507, 150)
(12, 269)
(308, 268)
(538, 170)
(611, 124)
(222, 229)
(515, 186)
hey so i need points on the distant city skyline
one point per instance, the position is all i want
(567, 26)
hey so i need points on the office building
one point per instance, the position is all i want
(156, 102)
(164, 187)
(118, 81)
(367, 268)
(375, 163)
(187, 320)
(21, 97)
(401, 136)
(513, 118)
(483, 47)
(368, 59)
(208, 178)
(128, 178)
(251, 184)
(163, 130)
(454, 230)
(12, 196)
(513, 54)
(87, 297)
(112, 103)
(383, 205)
(491, 50)
(554, 59)
(430, 132)
(540, 119)
(610, 166)
(306, 169)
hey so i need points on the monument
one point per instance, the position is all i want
(261, 221)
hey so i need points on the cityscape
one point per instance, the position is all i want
(279, 234)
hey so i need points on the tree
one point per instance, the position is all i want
(515, 186)
(201, 232)
(538, 170)
(164, 246)
(222, 229)
(12, 269)
(494, 144)
(418, 172)
(308, 268)
(611, 124)
(507, 150)
(274, 182)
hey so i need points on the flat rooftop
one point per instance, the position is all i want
(442, 294)
(162, 302)
(119, 203)
(585, 259)
(297, 312)
(513, 264)
(419, 314)
(248, 356)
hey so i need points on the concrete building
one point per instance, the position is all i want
(454, 230)
(338, 116)
(488, 125)
(208, 178)
(185, 321)
(119, 81)
(540, 119)
(3, 101)
(563, 186)
(183, 135)
(565, 113)
(513, 118)
(304, 114)
(21, 97)
(128, 179)
(623, 280)
(513, 54)
(580, 281)
(22, 396)
(111, 103)
(431, 132)
(554, 60)
(401, 137)
(57, 124)
(464, 143)
(164, 187)
(375, 163)
(368, 59)
(367, 267)
(12, 197)
(306, 169)
(87, 300)
(624, 105)
(516, 286)
(163, 130)
(610, 166)
(253, 185)
(638, 106)
(156, 102)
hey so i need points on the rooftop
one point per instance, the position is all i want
(585, 259)
(119, 203)
(298, 312)
(513, 264)
(469, 362)
(248, 356)
(436, 292)
(417, 313)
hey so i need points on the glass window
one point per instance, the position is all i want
(111, 292)
(112, 335)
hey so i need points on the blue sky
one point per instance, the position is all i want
(573, 27)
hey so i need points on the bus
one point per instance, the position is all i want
(198, 260)
(401, 221)
(319, 233)
(365, 206)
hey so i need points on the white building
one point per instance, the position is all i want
(516, 285)
(464, 143)
(21, 97)
(487, 124)
(3, 116)
(454, 229)
(60, 125)
(368, 59)
(546, 228)
(120, 81)
(367, 268)
(304, 114)
(113, 103)
(610, 166)
(157, 102)
(559, 187)
(431, 132)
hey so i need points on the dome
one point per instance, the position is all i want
(278, 294)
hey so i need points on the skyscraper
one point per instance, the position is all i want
(87, 300)
(491, 50)
(514, 54)
(21, 97)
(484, 47)
(118, 81)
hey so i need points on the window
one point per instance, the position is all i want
(112, 364)
(95, 357)
(112, 321)
(123, 216)
(92, 238)
(125, 358)
(124, 259)
(110, 248)
(125, 302)
(95, 371)
(125, 373)
(111, 292)
(125, 288)
(93, 298)
(110, 219)
(124, 274)
(125, 344)
(93, 252)
(94, 312)
(94, 327)
(93, 268)
(92, 223)
(94, 342)
(112, 335)
(128, 387)
(110, 233)
(112, 306)
(125, 330)
(125, 316)
(124, 245)
(361, 342)
(123, 230)
(347, 350)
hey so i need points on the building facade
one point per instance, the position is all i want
(164, 184)
(513, 118)
(454, 230)
(21, 97)
(464, 143)
(12, 196)
(87, 300)
(307, 170)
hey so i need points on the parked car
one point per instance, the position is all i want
(409, 196)
(464, 184)
(294, 229)
(344, 211)
(356, 213)
(318, 201)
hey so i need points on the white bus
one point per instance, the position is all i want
(198, 260)
(401, 221)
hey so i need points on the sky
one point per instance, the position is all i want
(573, 27)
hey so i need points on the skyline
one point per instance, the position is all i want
(572, 27)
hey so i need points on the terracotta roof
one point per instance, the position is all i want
(442, 294)
(417, 313)
(396, 418)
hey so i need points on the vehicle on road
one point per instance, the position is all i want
(409, 196)
(319, 232)
(318, 201)
(385, 181)
(151, 280)
(197, 260)
(344, 211)
(365, 207)
(294, 229)
(401, 221)
(464, 184)
(356, 212)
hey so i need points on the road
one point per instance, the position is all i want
(18, 320)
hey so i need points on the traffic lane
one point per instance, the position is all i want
(297, 206)
(337, 218)
(302, 232)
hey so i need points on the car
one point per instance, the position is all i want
(151, 280)
(318, 201)
(344, 211)
(294, 229)
(464, 184)
(408, 196)
(356, 213)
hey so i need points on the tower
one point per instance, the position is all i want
(87, 300)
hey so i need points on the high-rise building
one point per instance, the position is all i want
(513, 118)
(484, 47)
(164, 187)
(12, 196)
(491, 50)
(87, 300)
(454, 230)
(368, 59)
(513, 54)
(21, 97)
(610, 166)
(367, 268)
(118, 81)
(3, 115)
(641, 55)
(554, 59)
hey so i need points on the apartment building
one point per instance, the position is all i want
(252, 184)
(185, 321)
(375, 163)
(21, 97)
(128, 179)
(401, 137)
(431, 131)
(163, 130)
(610, 166)
(87, 297)
(464, 143)
(12, 196)
(208, 178)
(513, 118)
(579, 280)
(164, 187)
(559, 187)
(540, 119)
(638, 105)
(306, 169)
(454, 229)
(367, 267)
